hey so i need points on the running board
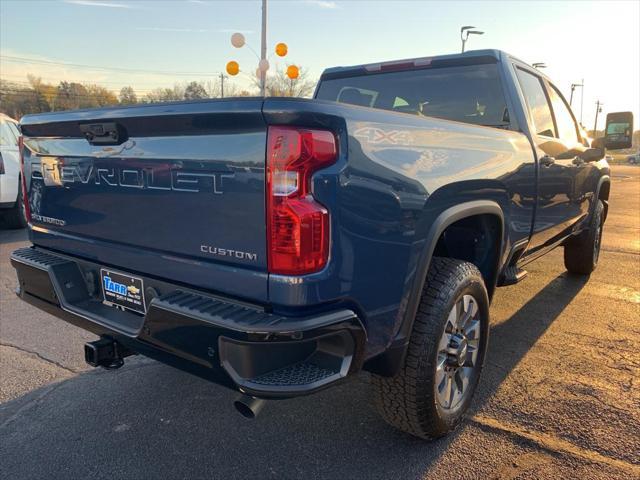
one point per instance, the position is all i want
(511, 276)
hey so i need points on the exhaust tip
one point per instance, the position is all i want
(248, 407)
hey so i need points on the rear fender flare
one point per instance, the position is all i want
(390, 361)
(442, 221)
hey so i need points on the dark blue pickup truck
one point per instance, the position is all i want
(279, 246)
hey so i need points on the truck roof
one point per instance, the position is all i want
(471, 57)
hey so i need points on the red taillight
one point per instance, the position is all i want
(25, 197)
(297, 225)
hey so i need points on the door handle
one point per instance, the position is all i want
(547, 161)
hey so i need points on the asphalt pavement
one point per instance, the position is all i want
(559, 397)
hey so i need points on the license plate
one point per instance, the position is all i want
(123, 290)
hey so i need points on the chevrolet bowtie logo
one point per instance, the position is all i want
(133, 290)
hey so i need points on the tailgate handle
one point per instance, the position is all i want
(107, 133)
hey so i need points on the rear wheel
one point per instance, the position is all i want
(16, 216)
(430, 394)
(581, 253)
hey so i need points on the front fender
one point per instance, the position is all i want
(603, 182)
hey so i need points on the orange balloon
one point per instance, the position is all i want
(233, 68)
(293, 72)
(281, 49)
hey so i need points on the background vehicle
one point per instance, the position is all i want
(366, 238)
(11, 206)
(634, 159)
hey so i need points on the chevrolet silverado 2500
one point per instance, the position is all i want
(279, 246)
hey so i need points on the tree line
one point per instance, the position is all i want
(36, 96)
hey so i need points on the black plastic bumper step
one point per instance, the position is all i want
(303, 373)
(513, 275)
(241, 317)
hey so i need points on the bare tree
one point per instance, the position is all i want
(165, 94)
(72, 95)
(100, 96)
(17, 100)
(231, 89)
(194, 90)
(279, 85)
(44, 91)
(128, 96)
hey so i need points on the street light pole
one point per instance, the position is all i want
(598, 110)
(581, 99)
(222, 77)
(464, 37)
(238, 41)
(573, 88)
(465, 32)
(263, 47)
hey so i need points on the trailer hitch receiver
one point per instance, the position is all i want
(106, 353)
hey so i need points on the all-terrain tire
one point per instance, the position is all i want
(408, 400)
(581, 252)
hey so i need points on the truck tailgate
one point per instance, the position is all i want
(182, 180)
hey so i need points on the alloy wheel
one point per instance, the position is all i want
(458, 353)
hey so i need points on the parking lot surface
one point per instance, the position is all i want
(559, 397)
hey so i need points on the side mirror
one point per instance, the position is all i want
(598, 143)
(592, 154)
(619, 131)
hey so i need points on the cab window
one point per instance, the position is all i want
(567, 129)
(463, 93)
(537, 103)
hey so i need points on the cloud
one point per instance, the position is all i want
(173, 29)
(233, 30)
(323, 3)
(91, 3)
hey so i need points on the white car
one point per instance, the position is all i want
(11, 200)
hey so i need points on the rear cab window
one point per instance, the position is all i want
(466, 93)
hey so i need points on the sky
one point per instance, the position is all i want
(148, 44)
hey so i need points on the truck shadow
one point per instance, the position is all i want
(509, 341)
(150, 421)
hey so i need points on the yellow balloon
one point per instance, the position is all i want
(293, 72)
(281, 49)
(233, 68)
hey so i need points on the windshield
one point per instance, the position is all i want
(470, 93)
